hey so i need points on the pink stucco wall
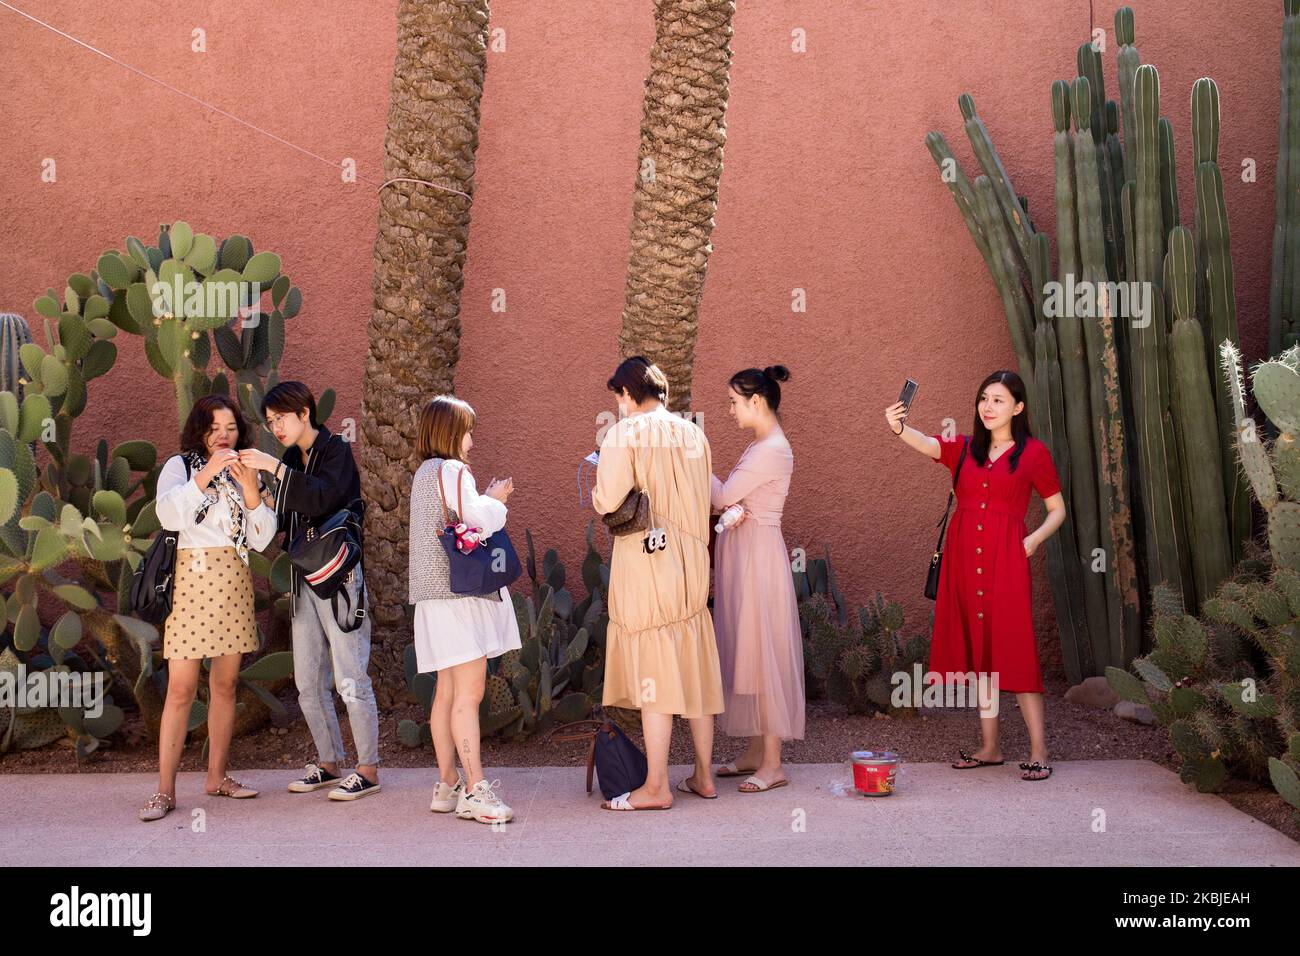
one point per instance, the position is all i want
(827, 188)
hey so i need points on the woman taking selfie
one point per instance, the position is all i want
(217, 506)
(755, 612)
(455, 634)
(983, 622)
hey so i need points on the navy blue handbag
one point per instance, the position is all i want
(620, 767)
(485, 569)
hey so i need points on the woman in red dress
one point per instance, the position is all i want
(983, 623)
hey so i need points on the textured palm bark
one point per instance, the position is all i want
(414, 331)
(679, 164)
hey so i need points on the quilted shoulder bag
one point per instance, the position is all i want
(633, 514)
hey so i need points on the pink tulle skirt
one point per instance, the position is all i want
(756, 621)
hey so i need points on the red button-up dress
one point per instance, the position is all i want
(983, 618)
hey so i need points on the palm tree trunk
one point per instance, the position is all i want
(414, 332)
(679, 164)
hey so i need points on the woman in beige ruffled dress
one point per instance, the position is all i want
(660, 652)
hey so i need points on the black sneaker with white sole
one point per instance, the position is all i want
(354, 788)
(315, 778)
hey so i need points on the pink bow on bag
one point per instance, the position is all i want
(467, 538)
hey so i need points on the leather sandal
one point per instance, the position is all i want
(230, 787)
(974, 762)
(1035, 768)
(159, 805)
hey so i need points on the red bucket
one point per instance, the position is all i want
(874, 772)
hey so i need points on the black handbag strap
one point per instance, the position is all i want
(358, 613)
(943, 522)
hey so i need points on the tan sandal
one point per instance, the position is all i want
(230, 787)
(159, 805)
(733, 769)
(757, 784)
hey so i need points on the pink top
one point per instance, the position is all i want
(760, 481)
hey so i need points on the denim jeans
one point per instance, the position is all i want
(325, 657)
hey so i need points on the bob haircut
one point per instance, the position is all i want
(443, 426)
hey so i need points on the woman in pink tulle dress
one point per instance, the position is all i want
(755, 615)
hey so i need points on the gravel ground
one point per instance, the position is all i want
(1075, 732)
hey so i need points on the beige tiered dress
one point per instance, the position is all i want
(660, 652)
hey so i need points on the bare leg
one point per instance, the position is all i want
(1031, 708)
(658, 732)
(444, 744)
(769, 766)
(182, 683)
(702, 739)
(223, 682)
(750, 760)
(469, 680)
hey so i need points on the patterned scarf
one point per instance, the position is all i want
(224, 485)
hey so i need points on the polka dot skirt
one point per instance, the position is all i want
(212, 606)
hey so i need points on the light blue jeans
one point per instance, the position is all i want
(325, 657)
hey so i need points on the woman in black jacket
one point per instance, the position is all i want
(318, 477)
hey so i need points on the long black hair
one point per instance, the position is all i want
(761, 381)
(981, 437)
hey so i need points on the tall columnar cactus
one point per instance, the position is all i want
(1283, 300)
(1128, 61)
(14, 334)
(1067, 566)
(1158, 471)
(1118, 637)
(1193, 396)
(1216, 294)
(1090, 68)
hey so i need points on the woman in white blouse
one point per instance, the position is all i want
(455, 634)
(218, 508)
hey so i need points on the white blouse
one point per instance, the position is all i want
(179, 498)
(481, 511)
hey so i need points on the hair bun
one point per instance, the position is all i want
(778, 373)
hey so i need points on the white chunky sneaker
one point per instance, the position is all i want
(482, 804)
(446, 798)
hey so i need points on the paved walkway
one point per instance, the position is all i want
(984, 817)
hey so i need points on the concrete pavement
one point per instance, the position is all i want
(1097, 812)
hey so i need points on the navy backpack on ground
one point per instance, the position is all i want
(620, 767)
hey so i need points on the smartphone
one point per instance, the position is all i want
(907, 395)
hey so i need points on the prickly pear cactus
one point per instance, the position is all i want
(1273, 470)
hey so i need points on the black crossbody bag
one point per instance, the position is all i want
(154, 577)
(932, 577)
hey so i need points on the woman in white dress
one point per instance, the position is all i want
(456, 634)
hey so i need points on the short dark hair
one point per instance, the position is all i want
(291, 398)
(641, 378)
(199, 423)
